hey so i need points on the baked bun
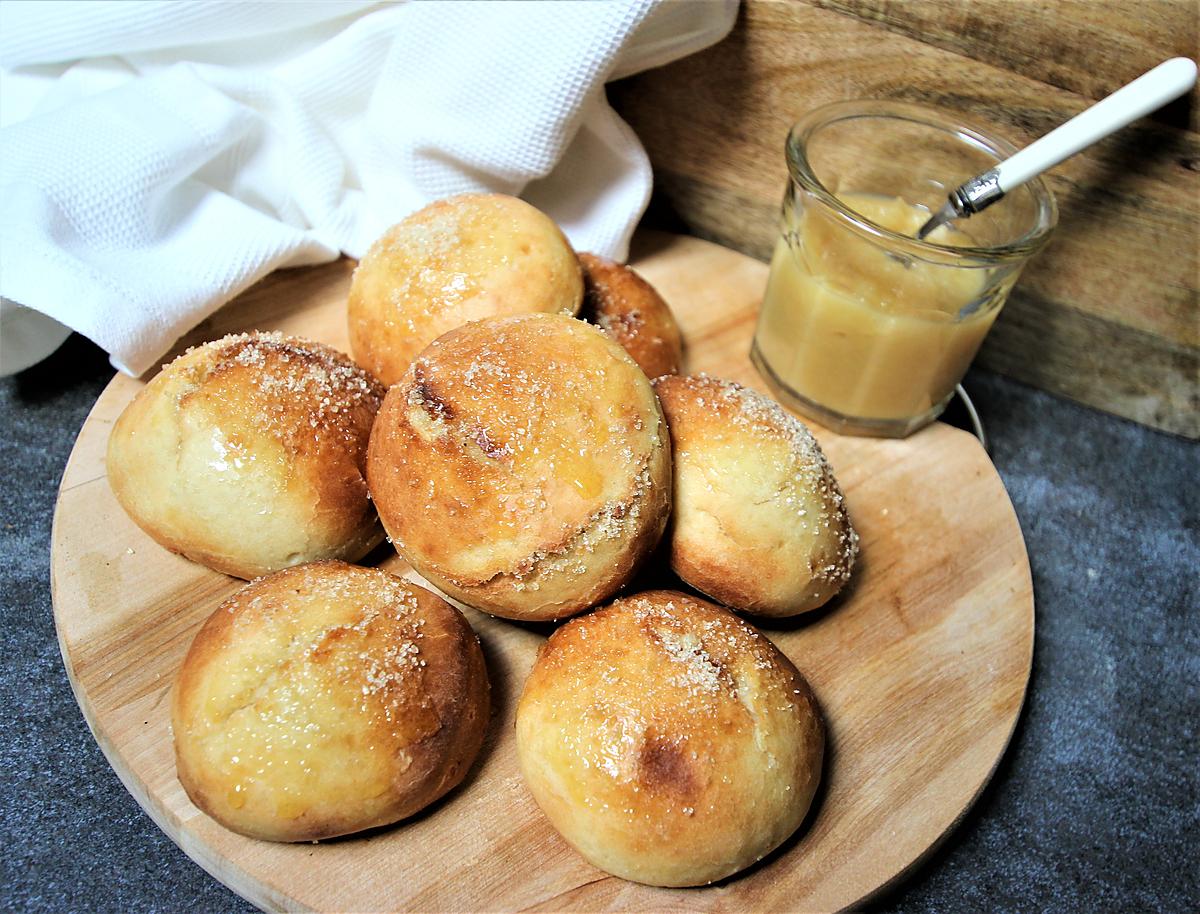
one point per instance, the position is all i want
(628, 309)
(248, 454)
(522, 466)
(457, 260)
(668, 741)
(326, 699)
(760, 523)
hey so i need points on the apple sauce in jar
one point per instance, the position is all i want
(864, 332)
(863, 327)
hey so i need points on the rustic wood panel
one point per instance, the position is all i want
(920, 668)
(1089, 47)
(1108, 314)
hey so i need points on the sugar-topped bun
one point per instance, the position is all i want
(522, 465)
(667, 740)
(248, 454)
(628, 309)
(327, 699)
(457, 260)
(760, 523)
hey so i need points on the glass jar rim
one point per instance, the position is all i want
(801, 171)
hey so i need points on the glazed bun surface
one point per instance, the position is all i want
(457, 260)
(248, 455)
(668, 741)
(760, 523)
(630, 310)
(522, 466)
(327, 699)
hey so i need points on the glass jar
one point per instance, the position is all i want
(863, 328)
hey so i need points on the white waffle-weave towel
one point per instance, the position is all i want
(156, 158)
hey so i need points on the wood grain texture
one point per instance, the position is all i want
(920, 668)
(1108, 314)
(1089, 47)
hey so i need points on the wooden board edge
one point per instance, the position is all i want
(1027, 675)
(223, 871)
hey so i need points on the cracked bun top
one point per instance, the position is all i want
(522, 465)
(248, 454)
(760, 522)
(667, 740)
(326, 699)
(461, 259)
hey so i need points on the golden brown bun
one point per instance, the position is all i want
(668, 741)
(248, 454)
(457, 260)
(326, 699)
(760, 523)
(522, 465)
(628, 309)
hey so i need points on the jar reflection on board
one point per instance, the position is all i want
(863, 328)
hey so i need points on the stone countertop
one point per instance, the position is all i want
(1095, 806)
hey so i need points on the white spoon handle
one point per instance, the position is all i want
(1164, 83)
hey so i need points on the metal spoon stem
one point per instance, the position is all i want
(1147, 93)
(965, 200)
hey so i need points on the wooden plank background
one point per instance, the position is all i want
(1108, 314)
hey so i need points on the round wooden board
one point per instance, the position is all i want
(921, 667)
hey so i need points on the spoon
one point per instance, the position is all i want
(1150, 91)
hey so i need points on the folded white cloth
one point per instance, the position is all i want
(158, 158)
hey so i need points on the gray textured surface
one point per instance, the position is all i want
(1095, 806)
